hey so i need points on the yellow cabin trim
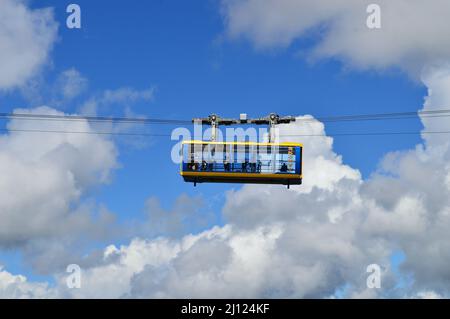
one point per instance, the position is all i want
(244, 143)
(248, 175)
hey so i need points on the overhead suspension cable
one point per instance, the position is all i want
(135, 120)
(85, 132)
(382, 116)
(169, 135)
(146, 120)
(366, 134)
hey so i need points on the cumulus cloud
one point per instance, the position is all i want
(26, 38)
(111, 275)
(17, 286)
(428, 295)
(413, 33)
(418, 183)
(188, 214)
(45, 175)
(70, 84)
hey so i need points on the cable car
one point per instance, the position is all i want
(241, 162)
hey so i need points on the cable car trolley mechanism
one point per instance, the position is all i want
(242, 162)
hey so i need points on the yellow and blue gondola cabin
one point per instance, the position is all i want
(241, 162)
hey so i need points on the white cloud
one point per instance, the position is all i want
(421, 175)
(428, 295)
(44, 176)
(124, 96)
(413, 33)
(26, 38)
(17, 286)
(112, 278)
(70, 84)
(188, 214)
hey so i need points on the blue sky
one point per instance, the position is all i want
(179, 49)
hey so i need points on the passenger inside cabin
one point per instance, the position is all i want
(258, 166)
(226, 166)
(245, 166)
(193, 166)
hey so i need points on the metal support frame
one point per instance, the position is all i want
(214, 127)
(271, 120)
